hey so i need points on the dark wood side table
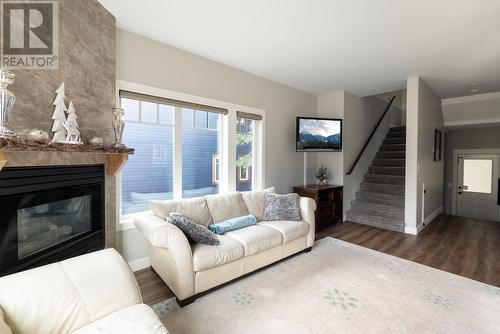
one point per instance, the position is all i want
(328, 200)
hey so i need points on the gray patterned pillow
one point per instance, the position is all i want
(282, 207)
(194, 232)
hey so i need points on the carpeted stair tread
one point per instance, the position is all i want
(393, 147)
(387, 170)
(390, 200)
(396, 135)
(375, 221)
(397, 129)
(391, 154)
(386, 179)
(379, 209)
(394, 141)
(382, 188)
(389, 162)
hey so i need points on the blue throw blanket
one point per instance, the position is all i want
(232, 224)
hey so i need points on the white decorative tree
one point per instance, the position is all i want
(59, 116)
(71, 126)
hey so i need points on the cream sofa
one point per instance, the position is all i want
(93, 293)
(190, 269)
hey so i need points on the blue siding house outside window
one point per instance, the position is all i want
(149, 173)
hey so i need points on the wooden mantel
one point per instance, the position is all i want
(116, 157)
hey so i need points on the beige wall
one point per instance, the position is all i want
(144, 61)
(473, 138)
(424, 115)
(331, 105)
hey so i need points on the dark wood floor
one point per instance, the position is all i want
(458, 245)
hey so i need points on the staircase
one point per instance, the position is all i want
(381, 200)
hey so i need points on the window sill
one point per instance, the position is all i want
(127, 222)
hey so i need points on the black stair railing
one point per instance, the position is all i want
(375, 128)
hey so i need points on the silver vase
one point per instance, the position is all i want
(118, 126)
(7, 100)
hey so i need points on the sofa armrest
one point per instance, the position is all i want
(169, 253)
(162, 234)
(307, 210)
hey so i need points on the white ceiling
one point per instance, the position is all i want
(363, 46)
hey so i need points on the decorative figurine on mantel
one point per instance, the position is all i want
(59, 116)
(118, 126)
(7, 100)
(65, 129)
(71, 126)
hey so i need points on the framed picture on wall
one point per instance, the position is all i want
(437, 145)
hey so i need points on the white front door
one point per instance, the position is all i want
(477, 189)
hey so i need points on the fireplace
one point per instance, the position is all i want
(48, 214)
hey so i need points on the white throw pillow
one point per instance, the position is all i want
(195, 209)
(256, 202)
(226, 206)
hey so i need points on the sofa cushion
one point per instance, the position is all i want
(226, 206)
(195, 209)
(207, 257)
(282, 207)
(257, 238)
(192, 231)
(291, 230)
(256, 201)
(136, 319)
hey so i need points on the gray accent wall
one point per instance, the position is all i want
(87, 53)
(468, 138)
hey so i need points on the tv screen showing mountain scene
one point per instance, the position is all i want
(319, 134)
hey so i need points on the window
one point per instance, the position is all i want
(200, 144)
(182, 150)
(244, 153)
(243, 174)
(478, 175)
(149, 172)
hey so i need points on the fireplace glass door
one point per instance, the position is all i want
(49, 214)
(43, 226)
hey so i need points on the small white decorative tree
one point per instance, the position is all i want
(59, 116)
(71, 126)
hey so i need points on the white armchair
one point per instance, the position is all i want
(92, 293)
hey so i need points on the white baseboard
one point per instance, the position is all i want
(139, 264)
(416, 230)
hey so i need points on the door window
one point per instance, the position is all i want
(478, 176)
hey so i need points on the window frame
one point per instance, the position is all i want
(227, 152)
(215, 175)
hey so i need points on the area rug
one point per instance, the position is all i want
(341, 288)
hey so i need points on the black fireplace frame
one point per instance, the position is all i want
(30, 186)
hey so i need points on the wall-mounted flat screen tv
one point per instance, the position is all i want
(319, 134)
